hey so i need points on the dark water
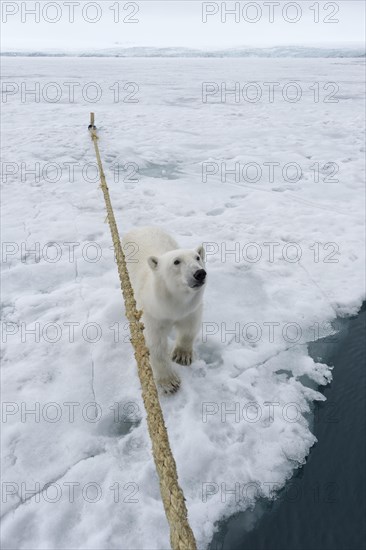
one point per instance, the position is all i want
(323, 506)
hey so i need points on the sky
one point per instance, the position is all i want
(68, 25)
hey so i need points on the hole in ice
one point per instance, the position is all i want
(122, 419)
(210, 353)
(169, 171)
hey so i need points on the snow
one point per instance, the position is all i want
(269, 382)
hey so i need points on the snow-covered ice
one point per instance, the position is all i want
(103, 489)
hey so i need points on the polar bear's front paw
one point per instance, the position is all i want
(169, 384)
(182, 356)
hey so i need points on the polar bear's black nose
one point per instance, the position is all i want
(200, 275)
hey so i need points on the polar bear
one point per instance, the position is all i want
(168, 284)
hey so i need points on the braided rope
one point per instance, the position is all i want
(181, 535)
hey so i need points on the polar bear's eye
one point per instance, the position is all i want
(198, 258)
(177, 262)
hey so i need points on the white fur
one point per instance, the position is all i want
(164, 292)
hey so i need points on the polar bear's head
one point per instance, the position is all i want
(180, 268)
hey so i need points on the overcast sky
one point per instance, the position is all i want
(179, 23)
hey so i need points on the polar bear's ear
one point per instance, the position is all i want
(153, 262)
(201, 251)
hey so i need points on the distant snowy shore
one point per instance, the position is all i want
(277, 51)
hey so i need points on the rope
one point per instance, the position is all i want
(181, 535)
